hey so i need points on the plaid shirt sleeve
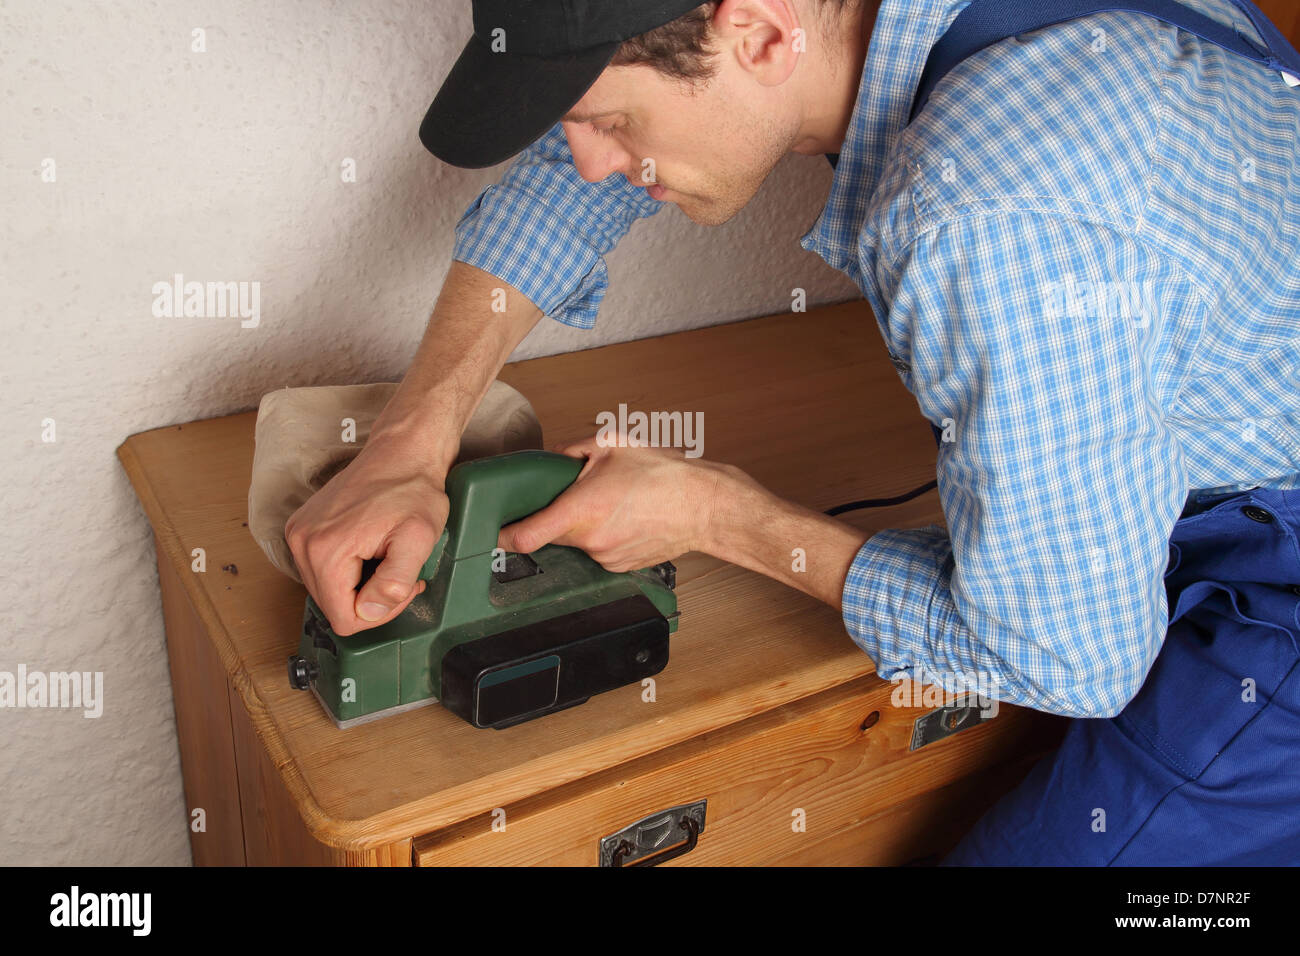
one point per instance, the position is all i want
(545, 230)
(1058, 476)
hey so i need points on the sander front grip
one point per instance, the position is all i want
(488, 493)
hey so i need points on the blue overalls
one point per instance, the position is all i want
(1203, 765)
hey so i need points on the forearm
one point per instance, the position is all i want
(751, 527)
(462, 351)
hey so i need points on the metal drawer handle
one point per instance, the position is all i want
(646, 842)
(946, 721)
(692, 837)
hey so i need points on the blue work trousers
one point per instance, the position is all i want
(1203, 766)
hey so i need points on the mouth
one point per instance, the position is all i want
(656, 191)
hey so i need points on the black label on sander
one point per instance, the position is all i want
(526, 672)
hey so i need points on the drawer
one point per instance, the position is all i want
(839, 762)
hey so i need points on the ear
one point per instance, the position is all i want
(765, 36)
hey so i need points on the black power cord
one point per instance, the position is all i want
(882, 502)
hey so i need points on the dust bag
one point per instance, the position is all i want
(305, 436)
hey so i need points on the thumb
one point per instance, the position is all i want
(542, 527)
(395, 580)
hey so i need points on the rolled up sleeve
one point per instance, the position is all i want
(1059, 478)
(545, 230)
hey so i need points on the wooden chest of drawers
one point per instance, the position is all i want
(767, 713)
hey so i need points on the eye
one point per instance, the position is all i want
(604, 130)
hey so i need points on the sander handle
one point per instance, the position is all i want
(488, 493)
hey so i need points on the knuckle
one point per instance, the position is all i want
(315, 551)
(296, 538)
(391, 589)
(419, 532)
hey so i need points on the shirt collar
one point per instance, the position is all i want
(904, 32)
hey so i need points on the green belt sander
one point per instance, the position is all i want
(499, 638)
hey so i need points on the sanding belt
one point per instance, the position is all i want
(302, 441)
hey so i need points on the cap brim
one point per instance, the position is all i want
(493, 105)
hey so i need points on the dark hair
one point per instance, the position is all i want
(680, 48)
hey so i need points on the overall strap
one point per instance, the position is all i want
(985, 22)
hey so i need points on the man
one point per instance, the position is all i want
(1081, 257)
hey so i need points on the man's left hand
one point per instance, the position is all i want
(630, 507)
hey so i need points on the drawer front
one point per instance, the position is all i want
(827, 779)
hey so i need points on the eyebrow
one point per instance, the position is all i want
(579, 117)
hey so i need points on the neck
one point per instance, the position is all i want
(831, 86)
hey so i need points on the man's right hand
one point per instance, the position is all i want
(390, 502)
(379, 506)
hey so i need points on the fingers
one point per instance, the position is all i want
(588, 448)
(582, 448)
(394, 611)
(542, 527)
(329, 581)
(557, 519)
(335, 593)
(297, 551)
(394, 583)
(593, 450)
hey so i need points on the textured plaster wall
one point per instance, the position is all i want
(225, 165)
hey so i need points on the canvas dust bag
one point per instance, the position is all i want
(302, 440)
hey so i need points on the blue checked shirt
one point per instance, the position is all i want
(1083, 260)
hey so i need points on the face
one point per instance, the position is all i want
(712, 145)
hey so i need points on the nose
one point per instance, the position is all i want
(594, 156)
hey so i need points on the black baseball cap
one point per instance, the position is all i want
(494, 104)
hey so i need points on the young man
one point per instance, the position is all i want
(1081, 257)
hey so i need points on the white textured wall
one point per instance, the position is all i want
(225, 165)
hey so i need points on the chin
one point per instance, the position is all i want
(708, 213)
